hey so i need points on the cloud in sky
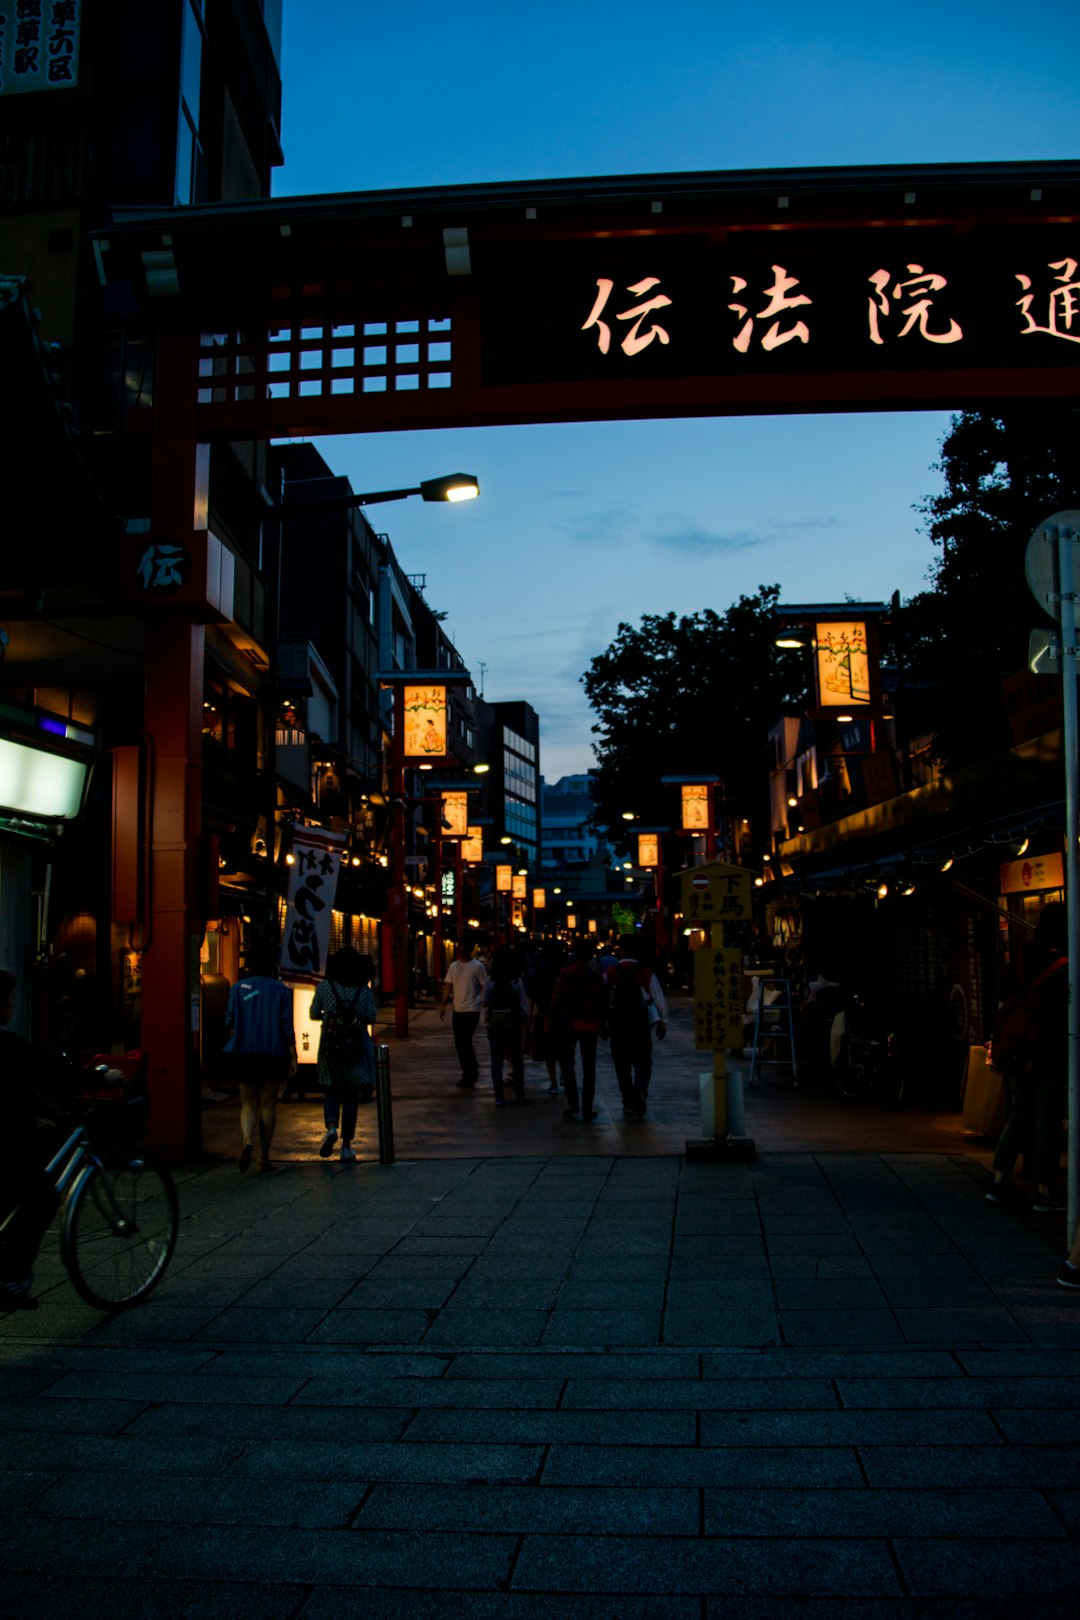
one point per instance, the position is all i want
(697, 541)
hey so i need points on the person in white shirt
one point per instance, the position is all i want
(464, 984)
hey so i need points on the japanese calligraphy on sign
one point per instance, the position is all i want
(715, 893)
(164, 567)
(472, 848)
(313, 880)
(39, 46)
(843, 664)
(871, 300)
(424, 708)
(718, 999)
(504, 879)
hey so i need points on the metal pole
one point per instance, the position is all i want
(383, 1105)
(1066, 540)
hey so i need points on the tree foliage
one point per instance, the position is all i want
(687, 695)
(1003, 474)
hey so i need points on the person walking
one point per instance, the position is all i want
(344, 1004)
(464, 984)
(636, 1009)
(578, 1019)
(28, 1198)
(540, 984)
(261, 1054)
(506, 1011)
(1036, 1087)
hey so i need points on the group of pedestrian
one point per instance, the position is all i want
(261, 1051)
(558, 1011)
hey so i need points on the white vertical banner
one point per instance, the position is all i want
(39, 46)
(313, 879)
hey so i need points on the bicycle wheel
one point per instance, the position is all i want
(856, 1073)
(119, 1231)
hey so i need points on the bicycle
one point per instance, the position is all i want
(119, 1222)
(120, 1214)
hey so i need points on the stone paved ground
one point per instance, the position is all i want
(832, 1385)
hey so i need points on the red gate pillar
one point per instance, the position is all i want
(173, 724)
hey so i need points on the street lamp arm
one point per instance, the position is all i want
(452, 487)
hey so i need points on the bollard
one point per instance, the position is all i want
(383, 1105)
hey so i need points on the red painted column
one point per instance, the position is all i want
(173, 725)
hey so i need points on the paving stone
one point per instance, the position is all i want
(486, 1327)
(878, 1513)
(735, 1327)
(597, 1327)
(959, 1325)
(840, 1327)
(841, 1428)
(364, 1327)
(74, 1598)
(546, 1428)
(667, 1565)
(712, 1395)
(339, 1458)
(1006, 1465)
(1027, 1569)
(764, 1465)
(490, 1394)
(1057, 1394)
(525, 1510)
(357, 1423)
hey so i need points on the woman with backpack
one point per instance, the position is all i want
(345, 1005)
(506, 1009)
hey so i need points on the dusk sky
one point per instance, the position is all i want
(580, 527)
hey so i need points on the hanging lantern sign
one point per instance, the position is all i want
(455, 810)
(424, 711)
(696, 797)
(539, 899)
(519, 890)
(472, 848)
(648, 849)
(504, 879)
(842, 662)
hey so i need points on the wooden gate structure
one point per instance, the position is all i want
(845, 289)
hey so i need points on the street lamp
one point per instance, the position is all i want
(452, 487)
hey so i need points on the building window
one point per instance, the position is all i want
(190, 166)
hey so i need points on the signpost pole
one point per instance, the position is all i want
(1066, 540)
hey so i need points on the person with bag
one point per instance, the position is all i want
(506, 1010)
(578, 1019)
(260, 1052)
(635, 1010)
(345, 1005)
(463, 986)
(1030, 1047)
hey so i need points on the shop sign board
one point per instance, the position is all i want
(715, 892)
(39, 46)
(718, 999)
(313, 879)
(1032, 873)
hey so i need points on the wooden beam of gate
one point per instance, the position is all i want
(939, 286)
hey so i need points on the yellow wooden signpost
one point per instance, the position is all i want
(715, 897)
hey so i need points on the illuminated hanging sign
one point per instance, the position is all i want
(39, 46)
(455, 811)
(648, 849)
(539, 899)
(45, 763)
(504, 879)
(424, 710)
(1036, 872)
(313, 878)
(695, 807)
(842, 664)
(519, 889)
(472, 848)
(883, 299)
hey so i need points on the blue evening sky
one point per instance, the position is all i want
(580, 527)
